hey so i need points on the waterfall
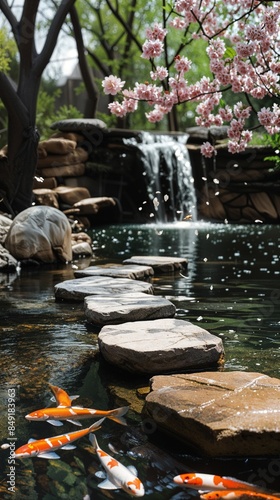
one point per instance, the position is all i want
(168, 175)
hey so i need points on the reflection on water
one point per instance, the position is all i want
(231, 288)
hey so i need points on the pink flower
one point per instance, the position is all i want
(112, 84)
(157, 32)
(117, 109)
(151, 49)
(182, 64)
(161, 73)
(207, 150)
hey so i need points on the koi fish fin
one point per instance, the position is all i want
(75, 422)
(56, 423)
(96, 425)
(51, 455)
(107, 485)
(68, 447)
(93, 441)
(117, 415)
(54, 400)
(31, 440)
(132, 469)
(101, 474)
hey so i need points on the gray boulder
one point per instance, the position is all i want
(41, 233)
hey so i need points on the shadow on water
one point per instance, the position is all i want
(231, 288)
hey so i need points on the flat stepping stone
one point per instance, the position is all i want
(133, 272)
(159, 264)
(219, 413)
(78, 289)
(159, 346)
(127, 307)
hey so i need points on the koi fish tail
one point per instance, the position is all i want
(117, 415)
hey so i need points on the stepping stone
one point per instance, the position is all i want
(219, 413)
(133, 272)
(159, 264)
(127, 307)
(159, 346)
(78, 289)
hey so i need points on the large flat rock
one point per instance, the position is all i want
(79, 288)
(130, 271)
(104, 310)
(159, 346)
(219, 413)
(159, 264)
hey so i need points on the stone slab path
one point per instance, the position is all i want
(219, 413)
(128, 271)
(104, 310)
(159, 264)
(159, 346)
(78, 289)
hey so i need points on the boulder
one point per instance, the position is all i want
(127, 307)
(78, 289)
(81, 249)
(159, 264)
(41, 233)
(5, 224)
(159, 346)
(7, 261)
(218, 413)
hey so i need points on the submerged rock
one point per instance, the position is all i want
(219, 413)
(159, 346)
(106, 310)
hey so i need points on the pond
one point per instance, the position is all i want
(231, 288)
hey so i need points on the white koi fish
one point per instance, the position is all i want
(74, 414)
(206, 482)
(45, 448)
(238, 495)
(118, 476)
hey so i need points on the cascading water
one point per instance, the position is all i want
(168, 175)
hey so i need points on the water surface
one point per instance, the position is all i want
(231, 288)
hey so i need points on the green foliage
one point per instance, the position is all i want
(273, 141)
(47, 113)
(7, 50)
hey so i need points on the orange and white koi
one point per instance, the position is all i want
(206, 482)
(73, 414)
(45, 448)
(117, 475)
(238, 495)
(61, 396)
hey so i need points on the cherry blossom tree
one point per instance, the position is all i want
(243, 45)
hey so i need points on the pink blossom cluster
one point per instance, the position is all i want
(243, 46)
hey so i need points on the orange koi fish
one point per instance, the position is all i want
(237, 495)
(61, 396)
(73, 414)
(45, 448)
(206, 482)
(117, 475)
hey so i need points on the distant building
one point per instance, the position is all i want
(72, 95)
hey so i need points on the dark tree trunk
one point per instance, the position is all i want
(17, 170)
